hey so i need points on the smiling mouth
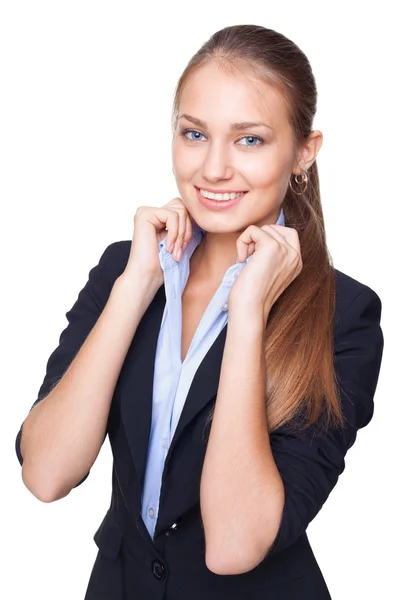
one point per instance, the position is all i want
(219, 203)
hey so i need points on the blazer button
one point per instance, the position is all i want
(159, 570)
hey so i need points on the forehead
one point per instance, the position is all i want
(219, 97)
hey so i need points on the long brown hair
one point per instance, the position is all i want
(299, 344)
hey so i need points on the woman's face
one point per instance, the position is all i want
(212, 155)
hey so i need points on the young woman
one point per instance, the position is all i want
(228, 361)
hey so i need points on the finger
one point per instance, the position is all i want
(164, 220)
(246, 242)
(288, 234)
(184, 227)
(172, 224)
(175, 203)
(290, 240)
(181, 232)
(189, 230)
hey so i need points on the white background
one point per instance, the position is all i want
(85, 107)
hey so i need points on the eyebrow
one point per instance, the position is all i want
(234, 126)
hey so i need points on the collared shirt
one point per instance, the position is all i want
(172, 378)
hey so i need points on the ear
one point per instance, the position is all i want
(308, 151)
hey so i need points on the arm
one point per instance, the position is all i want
(309, 465)
(242, 493)
(67, 425)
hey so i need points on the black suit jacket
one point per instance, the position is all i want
(129, 564)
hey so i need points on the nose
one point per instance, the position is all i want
(217, 165)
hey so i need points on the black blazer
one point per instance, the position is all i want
(128, 563)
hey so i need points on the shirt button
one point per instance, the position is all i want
(225, 306)
(151, 512)
(164, 442)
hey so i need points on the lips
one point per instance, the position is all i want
(217, 205)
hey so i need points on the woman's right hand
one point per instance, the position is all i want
(150, 224)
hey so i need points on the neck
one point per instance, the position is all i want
(213, 257)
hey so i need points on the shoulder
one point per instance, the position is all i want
(354, 301)
(114, 258)
(118, 251)
(348, 289)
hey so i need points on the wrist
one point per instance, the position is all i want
(140, 287)
(247, 316)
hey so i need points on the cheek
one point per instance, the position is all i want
(266, 175)
(184, 162)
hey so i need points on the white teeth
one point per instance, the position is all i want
(220, 197)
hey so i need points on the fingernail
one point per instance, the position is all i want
(184, 245)
(179, 254)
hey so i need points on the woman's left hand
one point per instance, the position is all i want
(275, 263)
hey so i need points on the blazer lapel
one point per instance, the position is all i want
(203, 387)
(136, 386)
(136, 383)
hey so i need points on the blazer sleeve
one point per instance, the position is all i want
(81, 319)
(310, 464)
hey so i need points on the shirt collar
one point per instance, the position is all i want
(167, 261)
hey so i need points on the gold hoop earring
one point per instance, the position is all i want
(304, 180)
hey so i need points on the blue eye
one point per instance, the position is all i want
(191, 131)
(252, 137)
(247, 137)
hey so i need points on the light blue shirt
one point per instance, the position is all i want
(172, 378)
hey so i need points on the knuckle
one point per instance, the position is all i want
(139, 210)
(298, 261)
